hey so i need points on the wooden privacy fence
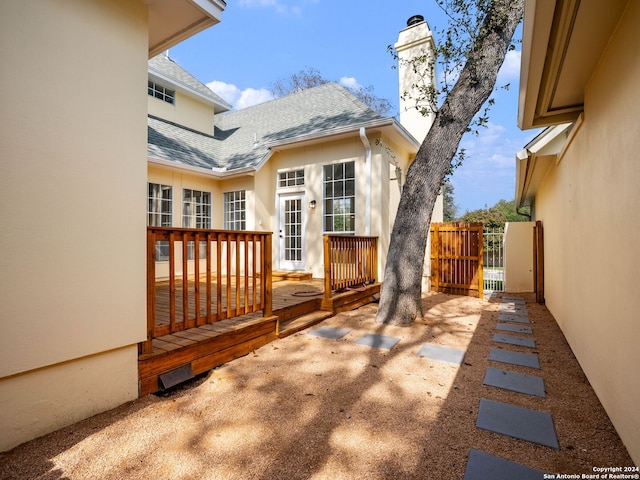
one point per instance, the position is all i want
(349, 261)
(456, 258)
(196, 277)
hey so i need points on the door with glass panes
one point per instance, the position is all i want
(291, 252)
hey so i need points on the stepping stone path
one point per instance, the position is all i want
(329, 332)
(482, 466)
(378, 341)
(444, 354)
(506, 419)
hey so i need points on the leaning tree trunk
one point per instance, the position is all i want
(400, 302)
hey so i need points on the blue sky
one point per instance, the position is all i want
(261, 41)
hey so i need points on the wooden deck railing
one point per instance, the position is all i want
(196, 277)
(349, 261)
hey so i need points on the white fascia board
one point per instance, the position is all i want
(212, 8)
(536, 30)
(546, 137)
(218, 173)
(345, 131)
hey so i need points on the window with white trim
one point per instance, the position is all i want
(196, 213)
(159, 205)
(196, 209)
(235, 210)
(160, 214)
(162, 93)
(292, 178)
(340, 197)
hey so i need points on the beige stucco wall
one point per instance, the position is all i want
(72, 177)
(46, 399)
(185, 111)
(518, 257)
(588, 206)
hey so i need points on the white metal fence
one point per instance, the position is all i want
(493, 263)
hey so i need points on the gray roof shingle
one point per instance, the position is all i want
(242, 138)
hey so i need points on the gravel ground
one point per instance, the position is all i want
(306, 407)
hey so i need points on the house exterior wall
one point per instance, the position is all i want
(312, 159)
(186, 111)
(587, 204)
(72, 173)
(518, 257)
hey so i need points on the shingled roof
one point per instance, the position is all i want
(164, 67)
(244, 138)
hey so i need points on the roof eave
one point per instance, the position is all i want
(217, 173)
(562, 43)
(172, 21)
(533, 162)
(389, 124)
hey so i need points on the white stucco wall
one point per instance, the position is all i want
(518, 257)
(72, 183)
(588, 206)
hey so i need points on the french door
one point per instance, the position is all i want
(291, 253)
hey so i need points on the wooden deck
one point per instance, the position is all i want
(297, 304)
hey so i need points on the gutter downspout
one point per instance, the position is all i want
(367, 148)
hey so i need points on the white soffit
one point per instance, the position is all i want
(563, 41)
(171, 21)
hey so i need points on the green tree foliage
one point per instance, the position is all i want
(495, 217)
(450, 209)
(311, 77)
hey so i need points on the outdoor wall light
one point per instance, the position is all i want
(312, 204)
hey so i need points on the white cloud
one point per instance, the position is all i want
(240, 98)
(251, 96)
(510, 70)
(350, 82)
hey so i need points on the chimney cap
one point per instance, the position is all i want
(415, 20)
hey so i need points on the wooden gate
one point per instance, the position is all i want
(456, 258)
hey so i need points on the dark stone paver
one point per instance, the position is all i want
(514, 381)
(515, 358)
(510, 299)
(444, 354)
(513, 340)
(482, 466)
(517, 422)
(331, 333)
(513, 318)
(514, 328)
(378, 341)
(514, 311)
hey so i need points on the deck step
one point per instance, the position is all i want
(294, 276)
(290, 327)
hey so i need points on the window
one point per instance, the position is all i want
(159, 205)
(159, 214)
(235, 210)
(291, 179)
(340, 198)
(196, 209)
(196, 213)
(162, 93)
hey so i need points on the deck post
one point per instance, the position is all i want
(266, 265)
(147, 346)
(327, 267)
